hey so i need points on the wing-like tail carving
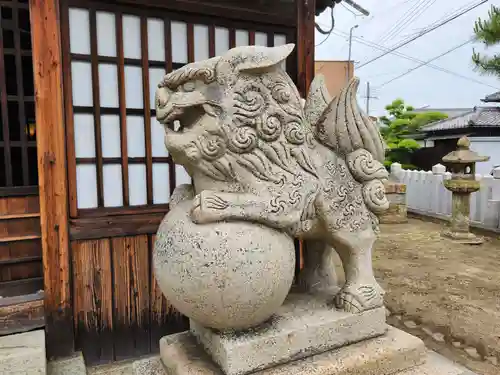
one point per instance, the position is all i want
(345, 128)
(342, 126)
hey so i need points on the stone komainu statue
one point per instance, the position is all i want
(257, 154)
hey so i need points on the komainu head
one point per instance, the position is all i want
(240, 108)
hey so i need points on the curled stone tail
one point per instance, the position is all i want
(372, 174)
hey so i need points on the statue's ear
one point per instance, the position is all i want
(257, 59)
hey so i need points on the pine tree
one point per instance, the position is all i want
(488, 32)
(398, 127)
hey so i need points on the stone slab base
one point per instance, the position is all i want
(466, 238)
(23, 353)
(383, 355)
(435, 364)
(305, 325)
(74, 365)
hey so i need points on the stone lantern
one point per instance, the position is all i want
(462, 165)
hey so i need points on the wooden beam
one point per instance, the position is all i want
(305, 65)
(52, 175)
(305, 44)
(21, 314)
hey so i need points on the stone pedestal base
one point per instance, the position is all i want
(396, 195)
(463, 237)
(395, 353)
(303, 326)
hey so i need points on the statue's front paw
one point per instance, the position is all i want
(208, 207)
(356, 298)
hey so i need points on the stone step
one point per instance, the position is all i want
(23, 353)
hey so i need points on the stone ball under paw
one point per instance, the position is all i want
(225, 275)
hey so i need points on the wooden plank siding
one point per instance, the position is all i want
(119, 310)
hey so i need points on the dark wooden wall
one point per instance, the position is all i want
(99, 285)
(20, 248)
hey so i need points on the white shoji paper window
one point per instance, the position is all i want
(242, 38)
(179, 42)
(110, 136)
(260, 39)
(131, 37)
(79, 31)
(133, 116)
(156, 40)
(221, 40)
(112, 185)
(106, 34)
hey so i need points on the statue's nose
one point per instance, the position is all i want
(162, 96)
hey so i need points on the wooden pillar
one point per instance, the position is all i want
(52, 177)
(305, 44)
(305, 67)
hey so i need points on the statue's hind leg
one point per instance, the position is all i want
(318, 273)
(361, 291)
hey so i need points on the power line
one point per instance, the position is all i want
(404, 43)
(381, 37)
(449, 14)
(413, 59)
(405, 20)
(427, 62)
(416, 15)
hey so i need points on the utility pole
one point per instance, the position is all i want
(349, 55)
(368, 96)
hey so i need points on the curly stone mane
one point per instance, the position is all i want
(265, 129)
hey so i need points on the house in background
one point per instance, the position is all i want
(336, 73)
(480, 124)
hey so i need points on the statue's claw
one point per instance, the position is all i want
(358, 298)
(208, 207)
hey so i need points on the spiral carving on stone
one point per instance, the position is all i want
(294, 133)
(249, 103)
(364, 167)
(243, 140)
(269, 129)
(212, 147)
(374, 196)
(281, 92)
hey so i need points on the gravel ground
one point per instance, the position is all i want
(452, 288)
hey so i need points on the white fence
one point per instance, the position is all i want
(426, 194)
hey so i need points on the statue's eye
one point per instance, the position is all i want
(188, 86)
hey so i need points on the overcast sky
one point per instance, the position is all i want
(424, 86)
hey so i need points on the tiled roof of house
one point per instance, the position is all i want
(477, 117)
(451, 112)
(495, 97)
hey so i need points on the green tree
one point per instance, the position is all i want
(398, 126)
(488, 32)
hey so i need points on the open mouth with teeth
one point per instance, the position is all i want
(182, 118)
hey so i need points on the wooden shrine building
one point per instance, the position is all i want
(84, 176)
